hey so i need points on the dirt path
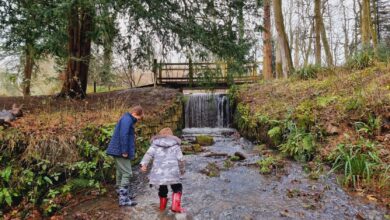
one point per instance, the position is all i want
(238, 192)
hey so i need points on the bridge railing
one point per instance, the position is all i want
(192, 73)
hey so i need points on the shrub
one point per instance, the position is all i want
(233, 93)
(39, 182)
(324, 101)
(383, 53)
(361, 59)
(299, 144)
(308, 72)
(304, 114)
(371, 127)
(353, 103)
(360, 162)
(245, 120)
(268, 164)
(275, 134)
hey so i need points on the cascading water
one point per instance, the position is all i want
(207, 110)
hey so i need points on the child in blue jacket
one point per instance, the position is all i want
(122, 148)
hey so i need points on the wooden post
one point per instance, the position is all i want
(226, 78)
(94, 86)
(254, 72)
(155, 73)
(160, 72)
(190, 71)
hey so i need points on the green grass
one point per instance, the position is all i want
(269, 164)
(359, 162)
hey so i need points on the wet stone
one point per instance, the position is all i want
(211, 170)
(182, 216)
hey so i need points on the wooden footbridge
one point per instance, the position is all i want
(191, 74)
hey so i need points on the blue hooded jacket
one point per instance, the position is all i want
(123, 139)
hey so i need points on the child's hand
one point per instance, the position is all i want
(125, 155)
(144, 168)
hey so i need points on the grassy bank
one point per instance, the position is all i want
(57, 149)
(339, 117)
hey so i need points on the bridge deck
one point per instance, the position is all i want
(201, 74)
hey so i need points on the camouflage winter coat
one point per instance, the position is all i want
(168, 163)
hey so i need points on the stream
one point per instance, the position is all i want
(237, 191)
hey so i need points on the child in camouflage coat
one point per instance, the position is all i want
(168, 166)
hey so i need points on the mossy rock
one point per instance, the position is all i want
(234, 158)
(191, 149)
(227, 164)
(204, 140)
(187, 149)
(197, 148)
(211, 170)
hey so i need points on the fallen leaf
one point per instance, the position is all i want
(371, 198)
(360, 216)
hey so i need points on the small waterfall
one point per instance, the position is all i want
(207, 110)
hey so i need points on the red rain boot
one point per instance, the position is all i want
(176, 203)
(163, 203)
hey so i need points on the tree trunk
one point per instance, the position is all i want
(345, 29)
(308, 51)
(374, 29)
(298, 35)
(79, 49)
(278, 61)
(284, 45)
(328, 53)
(325, 42)
(28, 69)
(357, 16)
(107, 62)
(365, 23)
(267, 47)
(317, 18)
(296, 47)
(290, 25)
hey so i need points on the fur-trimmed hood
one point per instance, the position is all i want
(165, 141)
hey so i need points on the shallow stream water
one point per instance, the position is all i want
(239, 192)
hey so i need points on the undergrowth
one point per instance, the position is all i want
(308, 72)
(360, 163)
(368, 56)
(293, 136)
(37, 182)
(269, 164)
(306, 117)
